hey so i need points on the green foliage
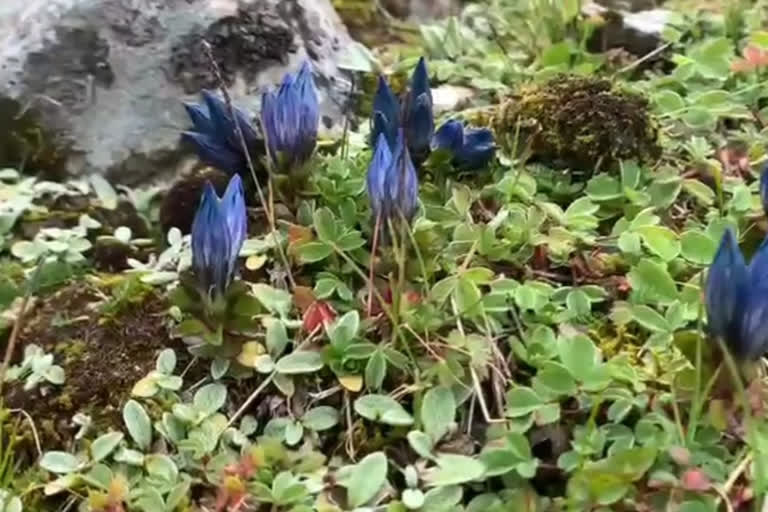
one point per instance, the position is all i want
(534, 341)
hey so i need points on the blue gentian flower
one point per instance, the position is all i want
(393, 186)
(402, 182)
(290, 118)
(218, 233)
(214, 136)
(386, 114)
(377, 177)
(471, 148)
(737, 299)
(418, 119)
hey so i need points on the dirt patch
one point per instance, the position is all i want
(102, 356)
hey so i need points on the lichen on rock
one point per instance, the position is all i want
(245, 42)
(584, 124)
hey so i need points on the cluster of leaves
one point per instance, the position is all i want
(534, 343)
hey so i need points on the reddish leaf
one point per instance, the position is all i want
(319, 313)
(695, 480)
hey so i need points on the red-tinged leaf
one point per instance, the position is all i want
(695, 480)
(320, 313)
(298, 236)
(413, 297)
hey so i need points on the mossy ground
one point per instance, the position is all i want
(103, 355)
(584, 124)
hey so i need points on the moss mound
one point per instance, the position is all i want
(584, 124)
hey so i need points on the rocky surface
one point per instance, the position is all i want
(107, 77)
(627, 26)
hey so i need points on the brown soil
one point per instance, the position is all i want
(102, 356)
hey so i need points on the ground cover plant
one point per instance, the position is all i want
(550, 298)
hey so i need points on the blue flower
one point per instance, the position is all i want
(386, 114)
(218, 233)
(393, 186)
(290, 118)
(214, 136)
(737, 299)
(471, 148)
(418, 119)
(377, 177)
(402, 183)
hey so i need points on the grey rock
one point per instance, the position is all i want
(639, 33)
(107, 77)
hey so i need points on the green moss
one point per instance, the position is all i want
(71, 349)
(585, 124)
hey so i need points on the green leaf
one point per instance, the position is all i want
(105, 444)
(421, 443)
(376, 370)
(697, 247)
(650, 319)
(556, 379)
(276, 301)
(321, 418)
(668, 101)
(302, 361)
(652, 281)
(368, 477)
(138, 424)
(522, 401)
(210, 398)
(579, 355)
(59, 462)
(325, 225)
(166, 361)
(162, 467)
(438, 411)
(578, 303)
(661, 241)
(312, 252)
(383, 409)
(351, 241)
(467, 296)
(344, 329)
(454, 469)
(277, 337)
(150, 500)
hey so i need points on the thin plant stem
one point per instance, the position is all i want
(250, 399)
(248, 160)
(12, 340)
(374, 249)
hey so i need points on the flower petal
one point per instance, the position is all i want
(386, 114)
(419, 125)
(211, 243)
(449, 137)
(377, 174)
(752, 339)
(727, 283)
(214, 153)
(233, 205)
(478, 149)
